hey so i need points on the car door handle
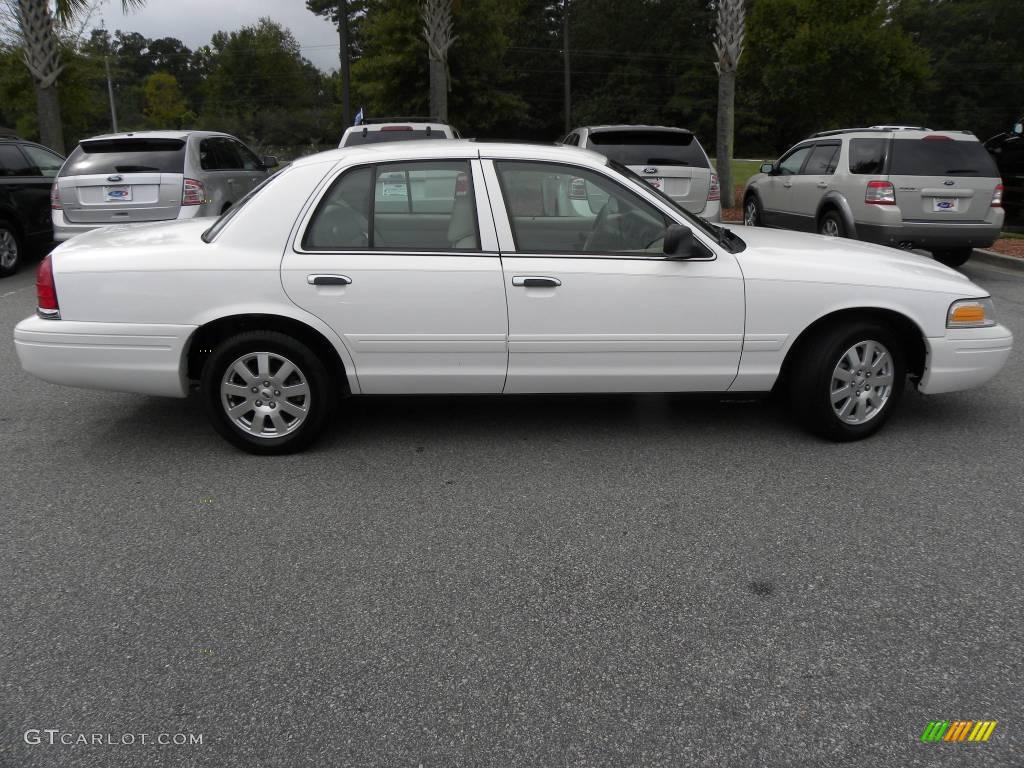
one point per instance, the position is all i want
(328, 279)
(535, 281)
(822, 185)
(787, 184)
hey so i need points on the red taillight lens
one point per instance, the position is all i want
(46, 291)
(716, 192)
(880, 193)
(193, 192)
(55, 197)
(997, 197)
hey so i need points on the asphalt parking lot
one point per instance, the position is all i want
(549, 581)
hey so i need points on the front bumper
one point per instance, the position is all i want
(122, 357)
(965, 358)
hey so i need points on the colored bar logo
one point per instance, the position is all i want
(958, 730)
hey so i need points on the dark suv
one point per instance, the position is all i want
(27, 171)
(1007, 149)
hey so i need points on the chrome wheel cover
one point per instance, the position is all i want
(265, 395)
(861, 383)
(830, 226)
(750, 214)
(8, 249)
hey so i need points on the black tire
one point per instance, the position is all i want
(832, 224)
(953, 257)
(302, 417)
(752, 214)
(823, 362)
(12, 250)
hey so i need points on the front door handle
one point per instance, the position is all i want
(535, 281)
(328, 279)
(822, 185)
(787, 184)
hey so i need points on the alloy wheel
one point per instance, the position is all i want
(862, 382)
(264, 394)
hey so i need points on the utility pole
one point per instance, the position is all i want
(110, 93)
(346, 111)
(565, 52)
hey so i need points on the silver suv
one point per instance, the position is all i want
(900, 186)
(152, 176)
(669, 159)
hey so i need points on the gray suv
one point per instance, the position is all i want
(900, 186)
(152, 176)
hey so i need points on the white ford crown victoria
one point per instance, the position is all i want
(460, 267)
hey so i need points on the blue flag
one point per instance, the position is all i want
(359, 117)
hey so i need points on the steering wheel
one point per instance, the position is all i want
(593, 241)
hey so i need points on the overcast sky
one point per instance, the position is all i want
(194, 22)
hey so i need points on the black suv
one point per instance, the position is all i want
(27, 171)
(1007, 150)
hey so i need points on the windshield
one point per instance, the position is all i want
(940, 157)
(722, 235)
(650, 148)
(126, 156)
(221, 222)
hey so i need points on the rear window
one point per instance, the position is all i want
(868, 155)
(126, 156)
(940, 157)
(375, 137)
(650, 148)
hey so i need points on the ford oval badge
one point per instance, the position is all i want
(949, 182)
(650, 170)
(113, 178)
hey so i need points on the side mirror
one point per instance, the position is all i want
(767, 167)
(269, 161)
(1018, 128)
(679, 243)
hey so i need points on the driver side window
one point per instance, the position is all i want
(791, 164)
(569, 210)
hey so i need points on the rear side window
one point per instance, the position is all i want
(650, 148)
(375, 137)
(14, 163)
(940, 157)
(823, 160)
(1010, 157)
(126, 156)
(868, 155)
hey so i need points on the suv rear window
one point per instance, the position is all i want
(650, 148)
(126, 156)
(868, 155)
(375, 137)
(940, 157)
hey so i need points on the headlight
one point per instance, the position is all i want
(971, 313)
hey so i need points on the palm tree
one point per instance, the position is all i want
(729, 47)
(437, 31)
(38, 28)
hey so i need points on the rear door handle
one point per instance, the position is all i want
(328, 279)
(822, 185)
(787, 184)
(535, 281)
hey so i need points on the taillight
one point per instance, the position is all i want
(193, 192)
(46, 291)
(997, 197)
(716, 192)
(880, 193)
(55, 197)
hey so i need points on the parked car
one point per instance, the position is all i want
(1007, 149)
(669, 159)
(372, 131)
(310, 288)
(152, 176)
(26, 175)
(902, 186)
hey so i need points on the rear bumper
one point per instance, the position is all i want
(965, 358)
(938, 236)
(65, 230)
(122, 357)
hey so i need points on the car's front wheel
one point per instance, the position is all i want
(266, 392)
(10, 249)
(752, 211)
(954, 257)
(847, 380)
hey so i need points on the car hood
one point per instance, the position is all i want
(774, 254)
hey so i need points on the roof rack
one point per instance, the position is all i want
(378, 120)
(873, 128)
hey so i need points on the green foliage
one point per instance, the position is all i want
(165, 104)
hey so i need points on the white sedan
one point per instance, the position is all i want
(462, 267)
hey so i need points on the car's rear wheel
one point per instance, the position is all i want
(266, 392)
(953, 257)
(832, 224)
(10, 249)
(847, 380)
(752, 211)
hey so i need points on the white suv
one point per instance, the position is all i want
(895, 185)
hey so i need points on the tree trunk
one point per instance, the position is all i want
(726, 124)
(438, 90)
(346, 110)
(51, 129)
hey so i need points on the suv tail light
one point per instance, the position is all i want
(880, 193)
(997, 196)
(193, 192)
(716, 192)
(46, 291)
(55, 197)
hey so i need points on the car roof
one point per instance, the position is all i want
(155, 135)
(635, 127)
(431, 149)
